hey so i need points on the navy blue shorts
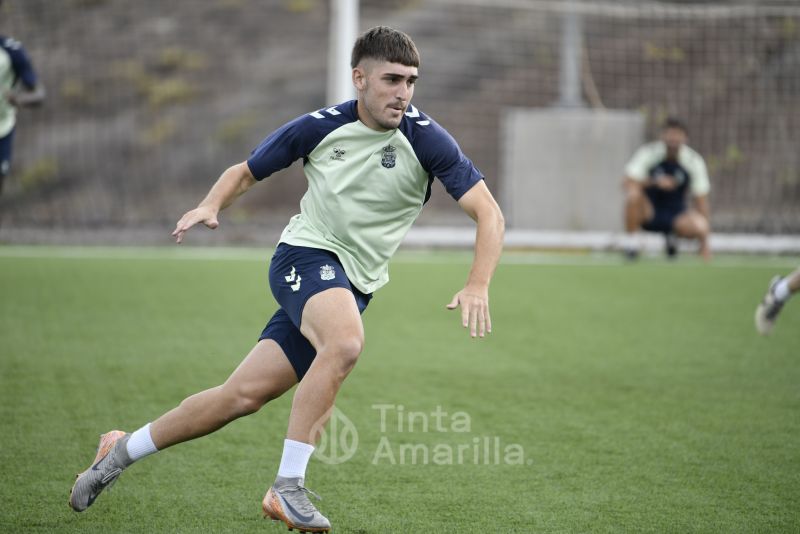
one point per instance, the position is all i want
(295, 275)
(663, 220)
(6, 144)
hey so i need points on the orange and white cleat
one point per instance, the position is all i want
(287, 500)
(111, 459)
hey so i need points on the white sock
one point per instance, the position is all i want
(782, 291)
(295, 459)
(140, 444)
(631, 241)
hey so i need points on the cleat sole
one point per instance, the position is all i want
(278, 516)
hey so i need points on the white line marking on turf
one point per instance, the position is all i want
(136, 253)
(403, 257)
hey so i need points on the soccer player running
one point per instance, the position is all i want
(778, 293)
(18, 87)
(369, 163)
(657, 180)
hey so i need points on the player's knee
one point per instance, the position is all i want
(245, 406)
(633, 195)
(695, 226)
(344, 351)
(245, 399)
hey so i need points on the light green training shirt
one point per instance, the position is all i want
(365, 188)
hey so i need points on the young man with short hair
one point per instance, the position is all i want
(19, 87)
(657, 180)
(369, 164)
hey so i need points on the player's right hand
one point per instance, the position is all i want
(203, 214)
(474, 303)
(665, 182)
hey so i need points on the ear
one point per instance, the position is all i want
(359, 78)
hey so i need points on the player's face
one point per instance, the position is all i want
(674, 138)
(384, 92)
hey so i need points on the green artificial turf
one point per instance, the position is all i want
(639, 397)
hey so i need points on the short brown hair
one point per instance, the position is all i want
(674, 123)
(385, 44)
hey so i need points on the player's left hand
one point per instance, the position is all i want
(666, 182)
(474, 310)
(201, 214)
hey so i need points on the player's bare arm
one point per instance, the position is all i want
(230, 185)
(27, 97)
(703, 207)
(479, 204)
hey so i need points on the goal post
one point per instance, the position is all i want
(342, 34)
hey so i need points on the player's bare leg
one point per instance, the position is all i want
(263, 375)
(638, 210)
(694, 225)
(794, 281)
(332, 323)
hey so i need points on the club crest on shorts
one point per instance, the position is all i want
(327, 272)
(389, 156)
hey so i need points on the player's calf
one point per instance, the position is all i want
(691, 224)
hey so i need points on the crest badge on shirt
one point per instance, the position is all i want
(389, 157)
(326, 272)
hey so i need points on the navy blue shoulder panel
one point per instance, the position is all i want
(439, 153)
(298, 138)
(23, 70)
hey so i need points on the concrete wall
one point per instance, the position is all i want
(563, 168)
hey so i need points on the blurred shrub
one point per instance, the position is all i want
(38, 173)
(235, 130)
(81, 4)
(74, 90)
(169, 91)
(654, 52)
(726, 162)
(161, 131)
(302, 6)
(176, 58)
(789, 28)
(789, 177)
(158, 91)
